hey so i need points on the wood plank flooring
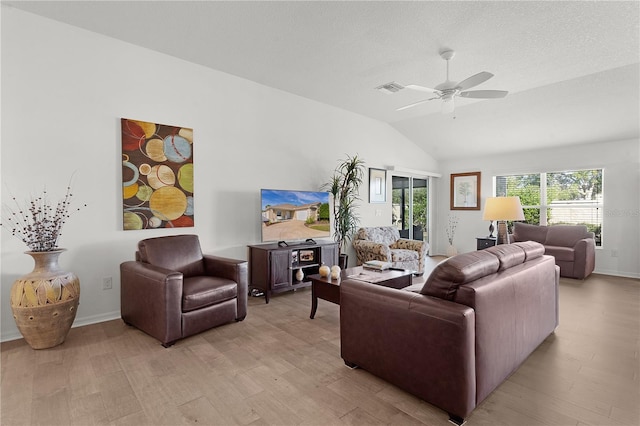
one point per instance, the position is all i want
(278, 367)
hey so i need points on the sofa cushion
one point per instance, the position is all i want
(400, 255)
(566, 254)
(531, 249)
(198, 292)
(526, 232)
(508, 254)
(565, 235)
(444, 280)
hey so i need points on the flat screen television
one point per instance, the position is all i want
(291, 216)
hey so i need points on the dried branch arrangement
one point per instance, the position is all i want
(451, 228)
(38, 223)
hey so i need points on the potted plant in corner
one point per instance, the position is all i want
(345, 188)
(44, 302)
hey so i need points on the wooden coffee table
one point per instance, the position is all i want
(327, 289)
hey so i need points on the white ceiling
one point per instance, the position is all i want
(571, 68)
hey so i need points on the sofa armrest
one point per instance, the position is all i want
(584, 258)
(234, 270)
(370, 250)
(421, 344)
(151, 299)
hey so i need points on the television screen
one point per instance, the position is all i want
(294, 215)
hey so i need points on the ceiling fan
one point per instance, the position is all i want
(448, 90)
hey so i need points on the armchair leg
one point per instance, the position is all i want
(168, 344)
(351, 365)
(458, 421)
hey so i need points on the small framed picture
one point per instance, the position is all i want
(465, 191)
(294, 257)
(307, 255)
(377, 186)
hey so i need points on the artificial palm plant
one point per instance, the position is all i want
(345, 188)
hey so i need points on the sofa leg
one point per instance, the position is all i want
(350, 365)
(168, 344)
(241, 318)
(456, 420)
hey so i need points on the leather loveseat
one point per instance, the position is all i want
(573, 246)
(452, 342)
(384, 243)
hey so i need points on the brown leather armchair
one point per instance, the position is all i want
(172, 290)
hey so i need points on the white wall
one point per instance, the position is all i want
(64, 91)
(621, 186)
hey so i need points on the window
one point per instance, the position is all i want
(554, 198)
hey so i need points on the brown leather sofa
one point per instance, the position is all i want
(573, 246)
(452, 342)
(172, 290)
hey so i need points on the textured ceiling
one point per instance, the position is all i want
(571, 68)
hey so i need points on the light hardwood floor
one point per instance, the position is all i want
(278, 367)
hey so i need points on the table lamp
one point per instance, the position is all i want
(502, 209)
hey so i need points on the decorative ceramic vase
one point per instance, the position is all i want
(451, 250)
(299, 275)
(335, 272)
(44, 302)
(324, 271)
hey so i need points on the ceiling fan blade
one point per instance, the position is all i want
(474, 80)
(484, 94)
(422, 89)
(414, 104)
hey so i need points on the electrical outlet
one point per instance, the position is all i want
(107, 283)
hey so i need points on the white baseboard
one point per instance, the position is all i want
(78, 322)
(617, 273)
(93, 319)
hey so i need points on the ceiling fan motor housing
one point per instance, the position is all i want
(447, 54)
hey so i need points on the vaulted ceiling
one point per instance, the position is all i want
(571, 68)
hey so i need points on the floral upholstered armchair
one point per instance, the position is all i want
(384, 243)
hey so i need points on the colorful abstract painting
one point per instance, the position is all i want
(157, 175)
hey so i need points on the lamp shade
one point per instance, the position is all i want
(503, 208)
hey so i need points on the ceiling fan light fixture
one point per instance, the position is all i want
(448, 105)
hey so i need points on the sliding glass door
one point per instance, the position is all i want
(410, 207)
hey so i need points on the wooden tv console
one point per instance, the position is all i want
(274, 268)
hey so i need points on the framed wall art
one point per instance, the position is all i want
(377, 186)
(157, 175)
(465, 191)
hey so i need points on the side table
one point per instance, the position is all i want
(485, 242)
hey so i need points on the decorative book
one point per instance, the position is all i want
(377, 264)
